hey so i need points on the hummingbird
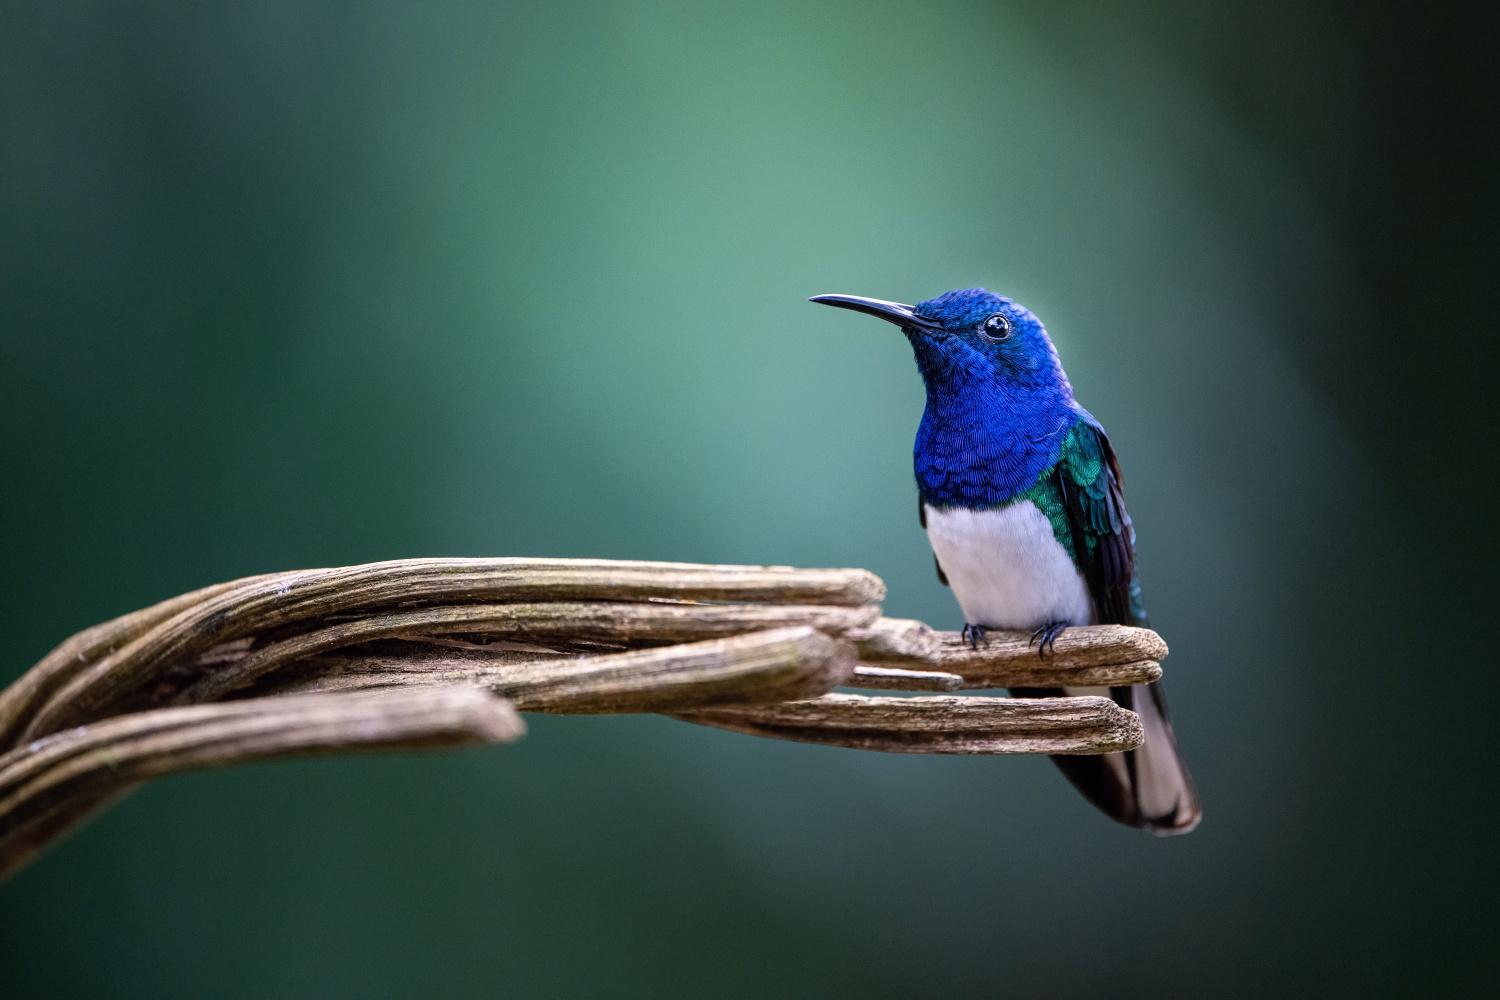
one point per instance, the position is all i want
(1022, 499)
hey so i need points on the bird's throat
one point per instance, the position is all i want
(981, 444)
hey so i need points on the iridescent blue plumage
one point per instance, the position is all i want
(998, 412)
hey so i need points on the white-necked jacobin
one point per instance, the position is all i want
(1022, 499)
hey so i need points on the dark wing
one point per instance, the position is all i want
(1149, 787)
(1088, 478)
(922, 517)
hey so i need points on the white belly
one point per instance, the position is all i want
(1006, 568)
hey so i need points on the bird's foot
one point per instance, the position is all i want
(1046, 637)
(975, 635)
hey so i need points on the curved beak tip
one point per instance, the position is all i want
(892, 312)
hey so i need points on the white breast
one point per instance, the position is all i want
(1006, 567)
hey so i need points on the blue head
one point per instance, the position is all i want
(998, 402)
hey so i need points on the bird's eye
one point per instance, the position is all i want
(996, 328)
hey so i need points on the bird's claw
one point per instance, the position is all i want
(975, 635)
(1046, 638)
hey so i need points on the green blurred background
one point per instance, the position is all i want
(289, 284)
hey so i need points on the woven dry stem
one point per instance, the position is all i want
(431, 653)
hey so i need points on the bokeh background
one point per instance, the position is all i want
(289, 284)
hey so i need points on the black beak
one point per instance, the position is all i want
(891, 312)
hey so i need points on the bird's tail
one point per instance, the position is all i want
(1148, 787)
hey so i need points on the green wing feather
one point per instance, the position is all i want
(1081, 496)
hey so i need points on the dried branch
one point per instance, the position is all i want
(282, 599)
(940, 724)
(420, 653)
(771, 666)
(895, 679)
(49, 785)
(574, 621)
(1083, 656)
(74, 654)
